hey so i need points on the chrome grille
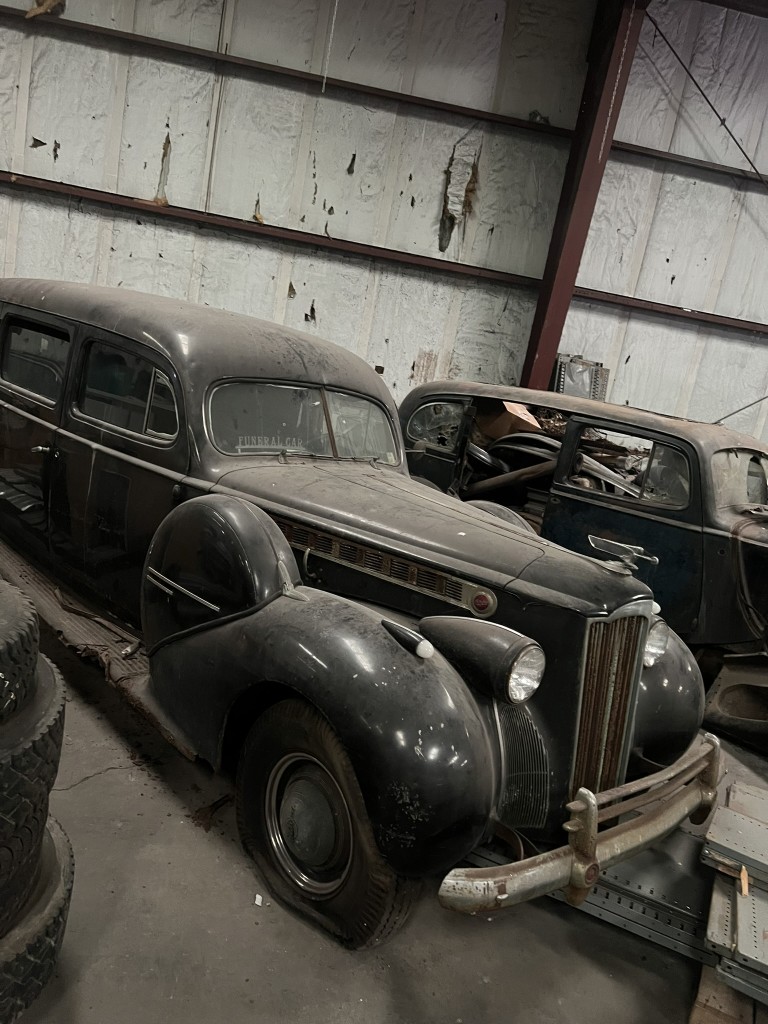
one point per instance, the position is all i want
(608, 690)
(430, 581)
(525, 795)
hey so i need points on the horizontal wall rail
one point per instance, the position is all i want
(22, 183)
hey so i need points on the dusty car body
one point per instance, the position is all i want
(396, 676)
(693, 496)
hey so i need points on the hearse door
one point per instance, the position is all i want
(636, 488)
(435, 437)
(35, 351)
(131, 395)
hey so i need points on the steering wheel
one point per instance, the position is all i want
(513, 440)
(486, 460)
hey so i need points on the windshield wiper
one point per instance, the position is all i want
(285, 452)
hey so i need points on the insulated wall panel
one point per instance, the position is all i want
(191, 22)
(410, 319)
(71, 90)
(370, 43)
(344, 181)
(684, 236)
(236, 275)
(10, 62)
(283, 33)
(541, 74)
(744, 291)
(416, 325)
(324, 296)
(729, 376)
(165, 131)
(150, 257)
(110, 13)
(518, 189)
(257, 149)
(56, 240)
(492, 333)
(459, 51)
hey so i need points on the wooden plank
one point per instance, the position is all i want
(717, 1003)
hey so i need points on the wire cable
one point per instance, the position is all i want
(707, 100)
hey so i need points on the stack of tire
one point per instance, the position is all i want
(36, 861)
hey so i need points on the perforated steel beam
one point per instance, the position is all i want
(614, 40)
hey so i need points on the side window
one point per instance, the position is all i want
(35, 359)
(127, 391)
(437, 424)
(632, 468)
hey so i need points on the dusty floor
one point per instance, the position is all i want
(164, 925)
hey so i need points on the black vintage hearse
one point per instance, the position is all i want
(397, 676)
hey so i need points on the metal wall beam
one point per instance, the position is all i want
(615, 36)
(196, 219)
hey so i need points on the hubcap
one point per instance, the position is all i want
(308, 824)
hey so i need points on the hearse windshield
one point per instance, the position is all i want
(740, 477)
(256, 418)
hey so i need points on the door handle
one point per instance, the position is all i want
(41, 449)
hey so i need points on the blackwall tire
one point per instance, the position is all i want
(29, 950)
(346, 886)
(19, 644)
(30, 747)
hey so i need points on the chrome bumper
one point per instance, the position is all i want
(686, 789)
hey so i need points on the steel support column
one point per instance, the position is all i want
(614, 40)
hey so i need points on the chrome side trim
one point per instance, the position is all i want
(164, 583)
(401, 571)
(627, 510)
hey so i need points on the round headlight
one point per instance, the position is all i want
(525, 674)
(656, 644)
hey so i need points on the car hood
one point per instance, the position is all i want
(387, 508)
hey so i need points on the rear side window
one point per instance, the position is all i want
(624, 466)
(126, 391)
(35, 359)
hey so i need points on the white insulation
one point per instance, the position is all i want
(681, 235)
(280, 152)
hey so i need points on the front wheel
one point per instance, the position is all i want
(301, 817)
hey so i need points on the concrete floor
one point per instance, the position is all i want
(164, 926)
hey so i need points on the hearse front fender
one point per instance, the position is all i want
(230, 631)
(418, 738)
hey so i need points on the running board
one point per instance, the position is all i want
(90, 635)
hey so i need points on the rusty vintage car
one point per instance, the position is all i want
(393, 676)
(684, 503)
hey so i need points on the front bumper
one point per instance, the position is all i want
(658, 804)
